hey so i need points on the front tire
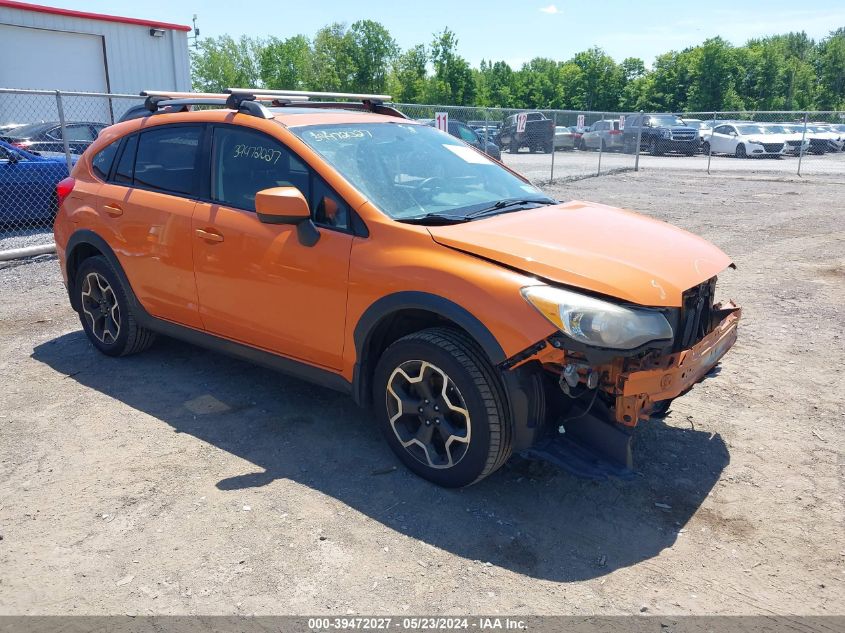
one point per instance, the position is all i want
(105, 312)
(441, 407)
(741, 152)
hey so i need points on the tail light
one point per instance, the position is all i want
(22, 144)
(616, 131)
(64, 187)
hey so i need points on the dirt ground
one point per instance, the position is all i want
(182, 481)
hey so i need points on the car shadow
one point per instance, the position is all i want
(528, 517)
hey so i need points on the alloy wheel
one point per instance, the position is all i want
(100, 307)
(428, 414)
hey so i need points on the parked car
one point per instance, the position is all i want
(377, 256)
(796, 142)
(47, 137)
(604, 135)
(743, 140)
(578, 132)
(818, 143)
(28, 186)
(835, 139)
(466, 134)
(659, 133)
(538, 135)
(564, 138)
(8, 127)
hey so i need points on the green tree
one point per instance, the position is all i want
(287, 64)
(333, 64)
(222, 62)
(830, 69)
(453, 82)
(372, 50)
(407, 82)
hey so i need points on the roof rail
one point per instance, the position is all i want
(293, 94)
(156, 99)
(247, 100)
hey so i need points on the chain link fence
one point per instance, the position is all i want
(43, 133)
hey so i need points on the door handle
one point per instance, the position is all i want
(113, 210)
(209, 235)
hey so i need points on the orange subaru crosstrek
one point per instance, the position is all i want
(350, 246)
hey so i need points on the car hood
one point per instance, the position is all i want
(594, 247)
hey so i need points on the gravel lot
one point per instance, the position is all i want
(569, 164)
(181, 481)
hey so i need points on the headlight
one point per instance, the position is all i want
(755, 142)
(596, 322)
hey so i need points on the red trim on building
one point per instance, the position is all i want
(38, 8)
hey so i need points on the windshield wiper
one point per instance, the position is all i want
(503, 205)
(434, 219)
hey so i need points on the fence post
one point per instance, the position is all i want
(486, 128)
(639, 140)
(64, 131)
(601, 147)
(554, 133)
(710, 143)
(801, 149)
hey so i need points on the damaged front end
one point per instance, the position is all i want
(592, 397)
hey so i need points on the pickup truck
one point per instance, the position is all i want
(538, 135)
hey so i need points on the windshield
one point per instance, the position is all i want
(777, 129)
(410, 170)
(696, 124)
(665, 119)
(750, 129)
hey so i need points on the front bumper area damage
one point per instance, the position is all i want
(642, 384)
(594, 401)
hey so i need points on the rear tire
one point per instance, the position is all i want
(514, 147)
(705, 148)
(441, 407)
(105, 312)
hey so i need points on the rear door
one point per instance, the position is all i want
(147, 202)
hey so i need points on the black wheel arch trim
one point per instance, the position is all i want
(395, 303)
(298, 369)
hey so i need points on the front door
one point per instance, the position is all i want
(258, 284)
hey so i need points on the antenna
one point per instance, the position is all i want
(196, 36)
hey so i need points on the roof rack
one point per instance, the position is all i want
(247, 100)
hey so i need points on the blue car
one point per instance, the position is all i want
(28, 186)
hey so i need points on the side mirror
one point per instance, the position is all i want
(287, 205)
(281, 205)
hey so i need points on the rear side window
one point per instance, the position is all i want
(78, 133)
(245, 162)
(103, 161)
(166, 159)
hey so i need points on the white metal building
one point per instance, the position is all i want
(61, 49)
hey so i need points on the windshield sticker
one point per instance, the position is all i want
(340, 135)
(267, 154)
(468, 154)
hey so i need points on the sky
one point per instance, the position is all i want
(511, 30)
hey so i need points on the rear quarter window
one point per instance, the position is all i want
(102, 162)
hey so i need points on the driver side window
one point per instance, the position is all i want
(246, 161)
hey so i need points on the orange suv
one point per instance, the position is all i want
(347, 245)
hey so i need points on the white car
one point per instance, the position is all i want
(564, 138)
(789, 136)
(742, 140)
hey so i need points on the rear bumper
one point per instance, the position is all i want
(670, 376)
